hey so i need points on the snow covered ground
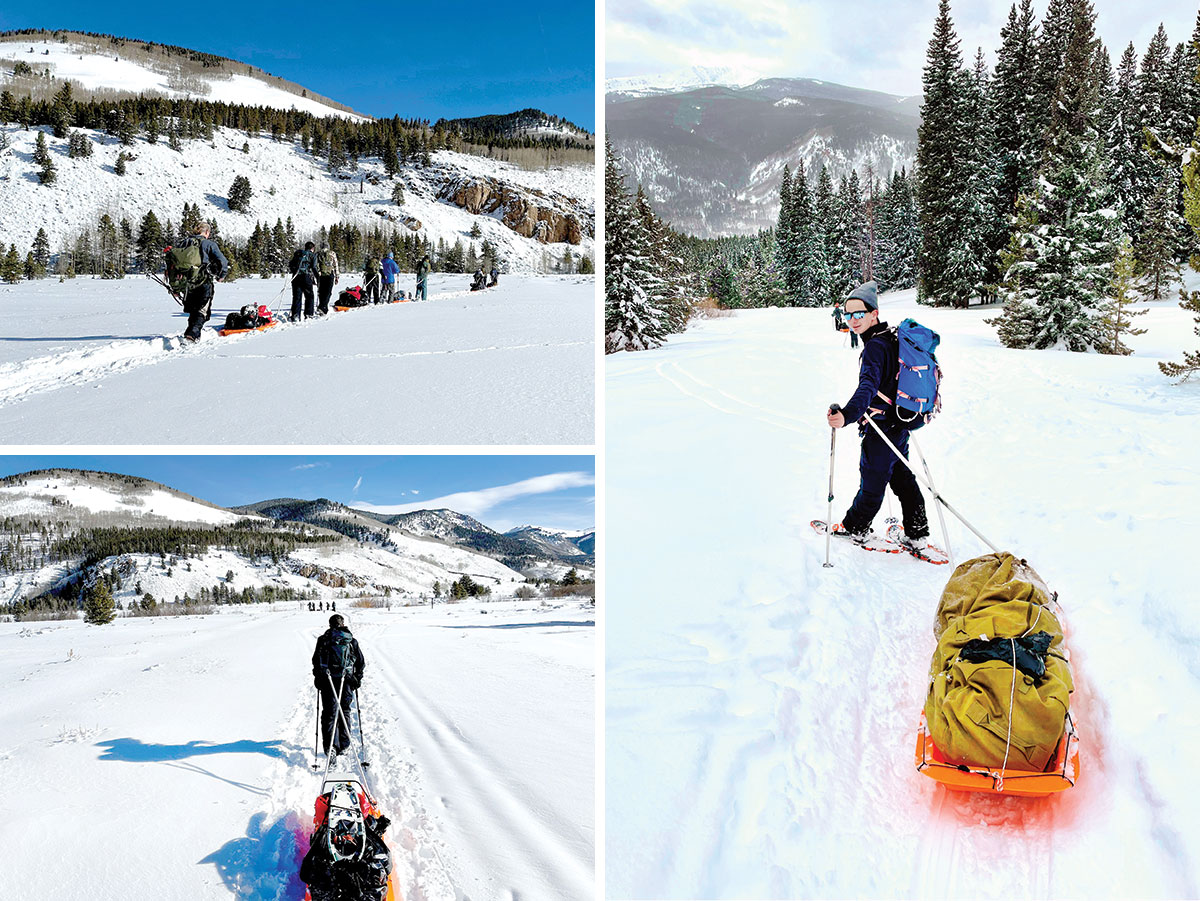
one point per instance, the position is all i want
(168, 758)
(762, 710)
(98, 362)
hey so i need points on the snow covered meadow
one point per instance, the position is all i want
(168, 758)
(99, 362)
(761, 710)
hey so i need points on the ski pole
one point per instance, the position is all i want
(316, 726)
(829, 514)
(941, 518)
(937, 497)
(362, 744)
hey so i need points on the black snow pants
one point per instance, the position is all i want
(329, 714)
(197, 303)
(878, 469)
(302, 285)
(324, 292)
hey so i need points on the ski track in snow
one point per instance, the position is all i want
(761, 710)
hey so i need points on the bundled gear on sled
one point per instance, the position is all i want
(347, 858)
(249, 318)
(479, 282)
(351, 298)
(997, 715)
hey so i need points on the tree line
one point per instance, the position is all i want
(1050, 184)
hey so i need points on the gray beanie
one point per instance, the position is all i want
(865, 292)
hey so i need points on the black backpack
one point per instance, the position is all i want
(340, 656)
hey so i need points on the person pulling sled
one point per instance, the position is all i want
(480, 281)
(338, 668)
(192, 267)
(875, 398)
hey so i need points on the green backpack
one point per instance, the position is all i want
(324, 265)
(184, 268)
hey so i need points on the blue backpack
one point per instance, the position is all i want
(919, 375)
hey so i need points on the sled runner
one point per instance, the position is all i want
(1060, 774)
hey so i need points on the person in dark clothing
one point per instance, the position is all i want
(495, 280)
(371, 280)
(337, 663)
(303, 267)
(875, 397)
(839, 323)
(327, 276)
(480, 281)
(197, 303)
(422, 276)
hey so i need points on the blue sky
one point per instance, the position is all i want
(416, 60)
(500, 491)
(860, 43)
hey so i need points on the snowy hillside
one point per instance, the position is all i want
(78, 496)
(443, 201)
(96, 361)
(172, 754)
(130, 68)
(762, 709)
(559, 542)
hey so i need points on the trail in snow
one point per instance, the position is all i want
(175, 752)
(762, 710)
(516, 363)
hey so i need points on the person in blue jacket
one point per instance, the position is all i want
(197, 303)
(390, 271)
(875, 397)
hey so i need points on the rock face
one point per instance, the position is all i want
(550, 218)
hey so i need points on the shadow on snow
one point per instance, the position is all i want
(264, 864)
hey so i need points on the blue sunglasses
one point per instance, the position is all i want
(856, 315)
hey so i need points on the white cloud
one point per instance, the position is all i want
(477, 503)
(357, 484)
(300, 466)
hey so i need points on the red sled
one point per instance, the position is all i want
(1061, 773)
(241, 331)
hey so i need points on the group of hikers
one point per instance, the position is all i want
(316, 606)
(312, 270)
(481, 281)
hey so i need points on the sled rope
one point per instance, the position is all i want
(1012, 698)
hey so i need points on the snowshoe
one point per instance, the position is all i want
(930, 553)
(348, 859)
(869, 542)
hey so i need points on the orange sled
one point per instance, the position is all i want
(1060, 774)
(241, 331)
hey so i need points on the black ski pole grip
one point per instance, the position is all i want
(834, 408)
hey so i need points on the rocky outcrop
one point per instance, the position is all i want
(550, 218)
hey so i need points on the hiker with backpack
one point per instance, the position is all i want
(337, 673)
(389, 271)
(422, 276)
(839, 324)
(875, 398)
(371, 279)
(495, 277)
(303, 267)
(192, 267)
(327, 276)
(479, 282)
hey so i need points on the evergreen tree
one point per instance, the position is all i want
(239, 194)
(98, 605)
(150, 243)
(398, 194)
(41, 252)
(119, 166)
(815, 281)
(1116, 317)
(631, 319)
(10, 267)
(1155, 254)
(63, 110)
(79, 146)
(1124, 146)
(1060, 261)
(41, 154)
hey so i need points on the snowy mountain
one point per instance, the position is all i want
(711, 158)
(120, 67)
(679, 80)
(534, 213)
(560, 543)
(290, 545)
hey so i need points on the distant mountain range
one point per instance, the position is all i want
(405, 554)
(711, 158)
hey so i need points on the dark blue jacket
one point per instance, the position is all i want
(390, 269)
(879, 365)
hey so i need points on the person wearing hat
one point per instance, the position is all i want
(338, 668)
(327, 275)
(390, 270)
(878, 468)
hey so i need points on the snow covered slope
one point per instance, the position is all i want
(93, 361)
(129, 67)
(168, 758)
(288, 182)
(558, 542)
(762, 710)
